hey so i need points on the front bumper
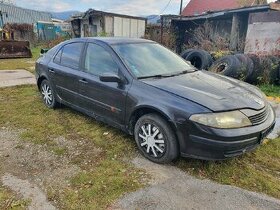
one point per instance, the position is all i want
(207, 143)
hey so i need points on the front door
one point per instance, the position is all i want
(103, 99)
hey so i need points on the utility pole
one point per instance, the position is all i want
(181, 7)
(1, 20)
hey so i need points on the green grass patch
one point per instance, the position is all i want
(271, 90)
(21, 63)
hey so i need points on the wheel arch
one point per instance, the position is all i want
(40, 80)
(143, 110)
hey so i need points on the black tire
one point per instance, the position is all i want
(257, 72)
(46, 88)
(166, 148)
(200, 59)
(246, 62)
(185, 53)
(228, 66)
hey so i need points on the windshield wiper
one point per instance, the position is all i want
(159, 76)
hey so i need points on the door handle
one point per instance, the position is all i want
(51, 71)
(84, 81)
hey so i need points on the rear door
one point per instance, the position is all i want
(103, 99)
(64, 71)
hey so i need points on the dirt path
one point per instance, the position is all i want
(172, 188)
(28, 191)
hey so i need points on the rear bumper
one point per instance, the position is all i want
(207, 143)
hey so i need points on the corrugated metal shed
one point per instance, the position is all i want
(20, 15)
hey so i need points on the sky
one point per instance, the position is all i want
(129, 7)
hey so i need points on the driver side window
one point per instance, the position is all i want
(99, 61)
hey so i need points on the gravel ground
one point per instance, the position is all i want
(172, 188)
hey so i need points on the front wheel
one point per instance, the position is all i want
(155, 139)
(48, 94)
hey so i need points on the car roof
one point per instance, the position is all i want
(114, 40)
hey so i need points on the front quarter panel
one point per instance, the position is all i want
(176, 109)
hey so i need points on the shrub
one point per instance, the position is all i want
(267, 69)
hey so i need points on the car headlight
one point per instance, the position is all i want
(234, 119)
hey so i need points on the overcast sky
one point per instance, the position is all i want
(131, 7)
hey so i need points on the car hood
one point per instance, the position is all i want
(216, 92)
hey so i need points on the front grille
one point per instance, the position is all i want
(259, 117)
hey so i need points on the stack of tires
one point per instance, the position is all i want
(238, 66)
(198, 58)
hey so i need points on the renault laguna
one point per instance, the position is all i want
(146, 90)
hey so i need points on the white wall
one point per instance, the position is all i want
(129, 27)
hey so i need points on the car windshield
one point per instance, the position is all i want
(152, 60)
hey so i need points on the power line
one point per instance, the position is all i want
(167, 5)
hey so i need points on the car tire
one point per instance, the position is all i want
(185, 53)
(155, 139)
(253, 78)
(200, 59)
(48, 94)
(246, 62)
(229, 66)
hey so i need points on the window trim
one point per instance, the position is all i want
(58, 51)
(80, 58)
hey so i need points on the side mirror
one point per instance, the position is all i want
(43, 51)
(110, 78)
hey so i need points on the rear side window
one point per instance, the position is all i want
(71, 54)
(57, 58)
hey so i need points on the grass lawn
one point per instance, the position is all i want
(271, 91)
(19, 63)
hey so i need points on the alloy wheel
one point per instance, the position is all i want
(152, 140)
(47, 94)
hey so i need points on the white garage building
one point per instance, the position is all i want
(98, 23)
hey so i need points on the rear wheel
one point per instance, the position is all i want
(155, 139)
(48, 94)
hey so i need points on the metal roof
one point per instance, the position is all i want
(198, 7)
(98, 12)
(215, 14)
(14, 14)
